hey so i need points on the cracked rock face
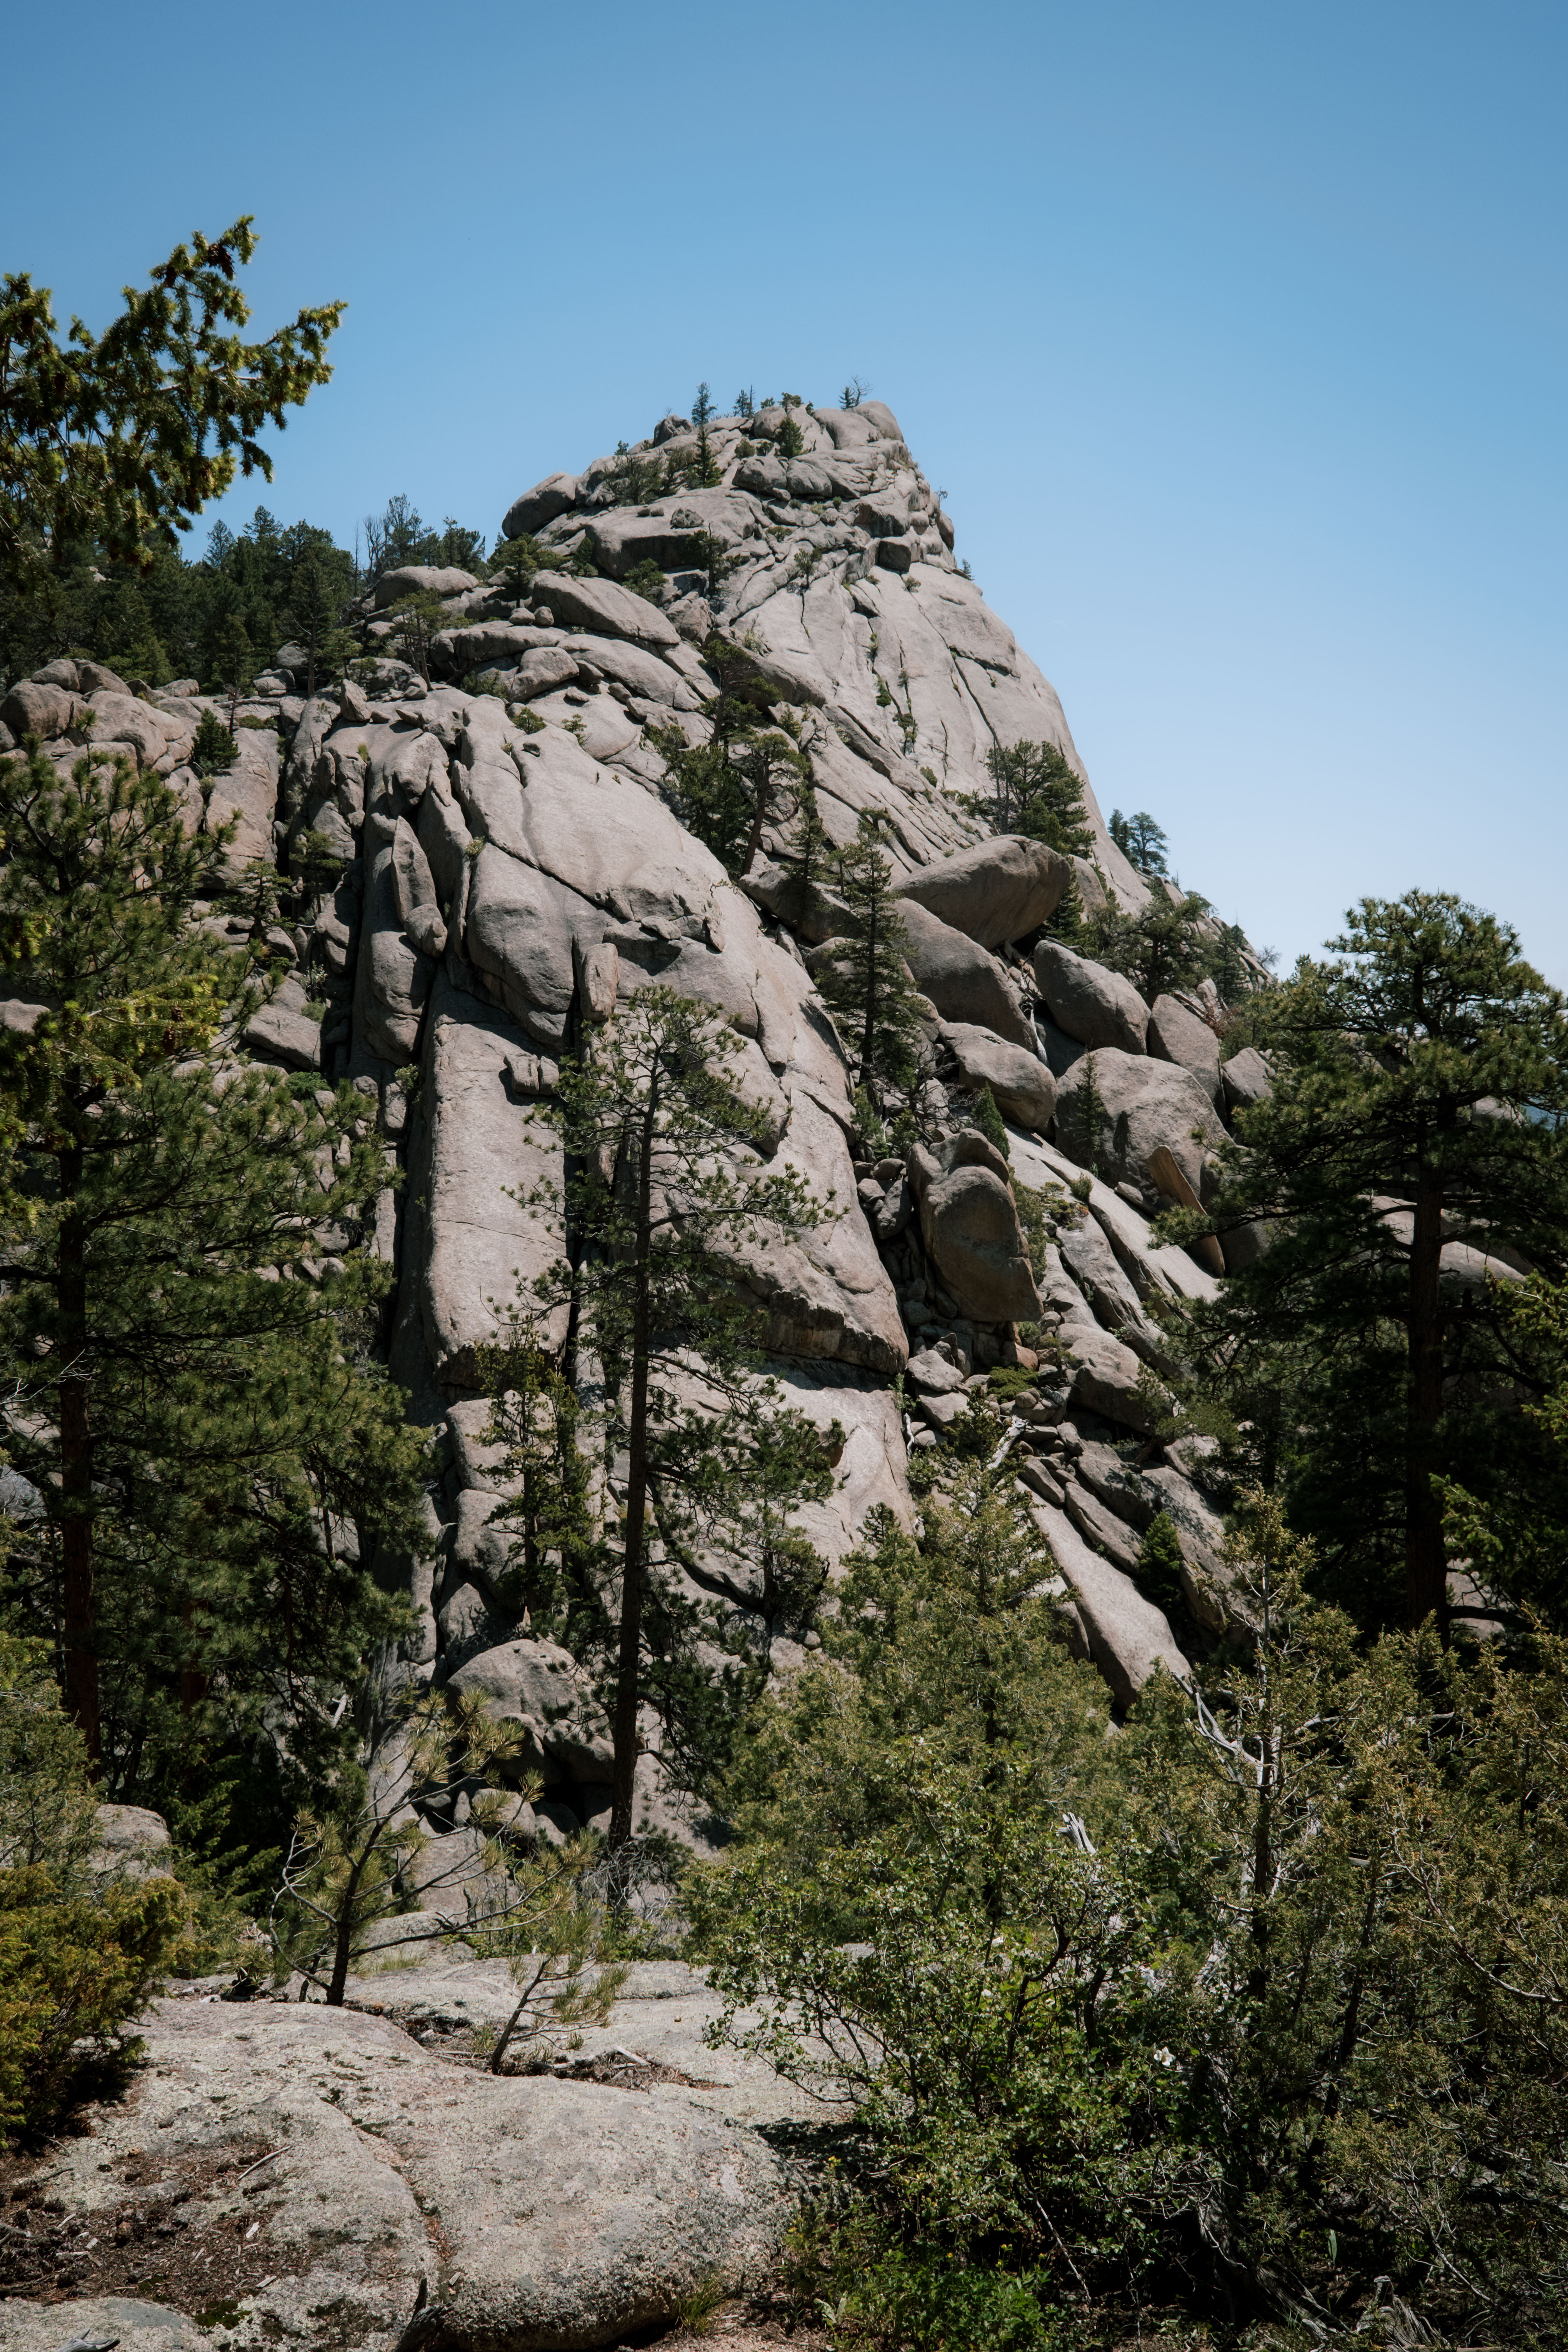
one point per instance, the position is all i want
(510, 870)
(506, 870)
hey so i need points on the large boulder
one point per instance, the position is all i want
(1022, 1087)
(1107, 1377)
(1115, 1109)
(555, 495)
(604, 609)
(42, 707)
(1129, 1638)
(1092, 1004)
(422, 580)
(996, 891)
(1246, 1079)
(280, 1029)
(969, 1222)
(540, 1687)
(329, 2176)
(961, 978)
(1177, 1036)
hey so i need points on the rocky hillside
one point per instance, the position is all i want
(507, 868)
(502, 867)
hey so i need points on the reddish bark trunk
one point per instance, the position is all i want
(76, 1480)
(1425, 1554)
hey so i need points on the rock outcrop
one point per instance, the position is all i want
(509, 868)
(503, 867)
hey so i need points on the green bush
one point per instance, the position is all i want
(645, 579)
(74, 1969)
(76, 1961)
(1266, 1994)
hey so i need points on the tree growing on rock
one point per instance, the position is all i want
(196, 1413)
(866, 980)
(1166, 945)
(1140, 841)
(1420, 1106)
(1036, 791)
(666, 1199)
(748, 775)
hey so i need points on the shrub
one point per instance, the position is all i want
(76, 1962)
(215, 749)
(645, 579)
(73, 1969)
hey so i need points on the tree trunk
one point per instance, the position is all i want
(76, 1478)
(1425, 1554)
(628, 1675)
(869, 1033)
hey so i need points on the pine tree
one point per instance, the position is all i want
(1163, 946)
(789, 440)
(214, 750)
(866, 978)
(1420, 1098)
(658, 1226)
(194, 1409)
(990, 1122)
(112, 441)
(746, 777)
(1035, 792)
(1140, 841)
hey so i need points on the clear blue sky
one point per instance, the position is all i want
(1235, 334)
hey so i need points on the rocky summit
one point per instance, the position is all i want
(506, 868)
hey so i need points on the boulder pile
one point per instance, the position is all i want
(503, 866)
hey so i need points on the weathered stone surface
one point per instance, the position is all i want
(517, 929)
(470, 1241)
(1149, 1269)
(130, 1842)
(1022, 1087)
(1246, 1079)
(969, 1222)
(1209, 1584)
(826, 1293)
(421, 580)
(1106, 1376)
(603, 608)
(1101, 1528)
(961, 978)
(391, 980)
(1097, 1271)
(1092, 1004)
(929, 1374)
(576, 2223)
(540, 1687)
(640, 672)
(1143, 1104)
(282, 1031)
(246, 794)
(555, 495)
(1177, 1036)
(41, 707)
(519, 2212)
(414, 887)
(1129, 1638)
(996, 891)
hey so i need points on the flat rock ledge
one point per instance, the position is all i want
(319, 2177)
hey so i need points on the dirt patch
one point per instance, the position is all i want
(161, 2242)
(618, 2070)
